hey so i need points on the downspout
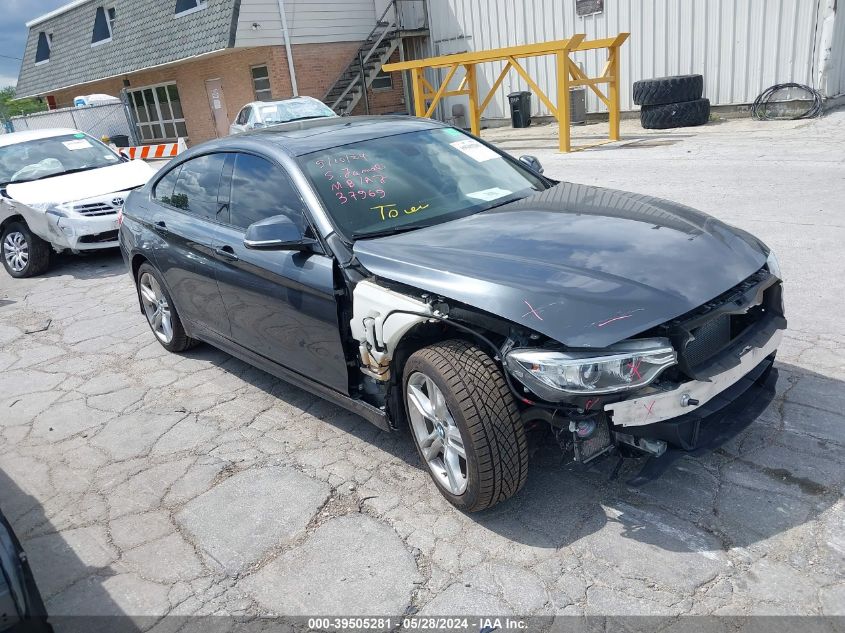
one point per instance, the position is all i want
(828, 17)
(288, 51)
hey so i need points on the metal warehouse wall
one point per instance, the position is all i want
(832, 47)
(740, 46)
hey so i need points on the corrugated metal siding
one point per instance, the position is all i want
(740, 46)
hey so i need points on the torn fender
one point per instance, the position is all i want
(377, 331)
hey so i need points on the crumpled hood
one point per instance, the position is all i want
(82, 185)
(585, 266)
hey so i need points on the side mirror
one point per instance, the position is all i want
(533, 162)
(277, 233)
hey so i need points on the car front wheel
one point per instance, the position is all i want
(465, 424)
(24, 254)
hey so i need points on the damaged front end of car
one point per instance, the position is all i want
(688, 384)
(684, 384)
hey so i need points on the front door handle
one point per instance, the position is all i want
(226, 252)
(161, 224)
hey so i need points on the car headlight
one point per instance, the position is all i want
(627, 365)
(773, 265)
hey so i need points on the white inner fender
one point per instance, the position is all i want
(371, 303)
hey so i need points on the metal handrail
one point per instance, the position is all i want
(388, 27)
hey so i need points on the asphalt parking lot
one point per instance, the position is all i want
(151, 484)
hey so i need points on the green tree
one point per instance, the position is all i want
(9, 107)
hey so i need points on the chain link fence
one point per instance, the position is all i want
(98, 120)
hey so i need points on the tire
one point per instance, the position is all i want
(18, 241)
(478, 405)
(663, 90)
(178, 341)
(687, 114)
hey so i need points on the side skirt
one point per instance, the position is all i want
(370, 413)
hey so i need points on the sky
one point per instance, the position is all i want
(16, 13)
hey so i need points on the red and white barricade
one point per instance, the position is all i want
(153, 152)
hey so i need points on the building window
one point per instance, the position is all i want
(189, 6)
(261, 83)
(382, 81)
(45, 43)
(112, 18)
(158, 113)
(102, 27)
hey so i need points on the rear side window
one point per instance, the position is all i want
(243, 117)
(164, 188)
(261, 190)
(195, 187)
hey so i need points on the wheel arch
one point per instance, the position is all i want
(17, 217)
(419, 336)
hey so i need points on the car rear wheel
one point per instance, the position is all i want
(24, 254)
(465, 424)
(160, 312)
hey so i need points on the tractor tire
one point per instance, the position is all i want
(671, 115)
(665, 90)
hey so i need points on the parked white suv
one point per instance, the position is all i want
(60, 188)
(258, 114)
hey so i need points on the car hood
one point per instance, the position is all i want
(82, 185)
(585, 266)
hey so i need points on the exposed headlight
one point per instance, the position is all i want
(773, 265)
(627, 365)
(57, 211)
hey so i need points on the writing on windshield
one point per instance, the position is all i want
(413, 179)
(353, 177)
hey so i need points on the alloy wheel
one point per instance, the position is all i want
(156, 307)
(437, 435)
(16, 251)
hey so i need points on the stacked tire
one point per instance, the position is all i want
(668, 102)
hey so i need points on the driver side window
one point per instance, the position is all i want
(261, 190)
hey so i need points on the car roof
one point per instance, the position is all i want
(258, 104)
(313, 135)
(34, 135)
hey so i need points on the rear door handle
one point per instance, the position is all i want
(226, 252)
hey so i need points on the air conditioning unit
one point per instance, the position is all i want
(578, 106)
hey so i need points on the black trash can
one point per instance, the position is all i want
(120, 140)
(520, 103)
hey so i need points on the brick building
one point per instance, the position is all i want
(186, 67)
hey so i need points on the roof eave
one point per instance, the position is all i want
(56, 12)
(123, 74)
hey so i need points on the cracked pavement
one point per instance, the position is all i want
(146, 483)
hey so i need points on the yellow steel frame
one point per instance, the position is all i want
(426, 96)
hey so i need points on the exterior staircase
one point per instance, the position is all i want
(373, 53)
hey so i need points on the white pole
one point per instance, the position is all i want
(291, 69)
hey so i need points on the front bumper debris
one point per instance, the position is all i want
(659, 406)
(81, 233)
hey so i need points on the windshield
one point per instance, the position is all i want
(45, 157)
(283, 111)
(403, 182)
